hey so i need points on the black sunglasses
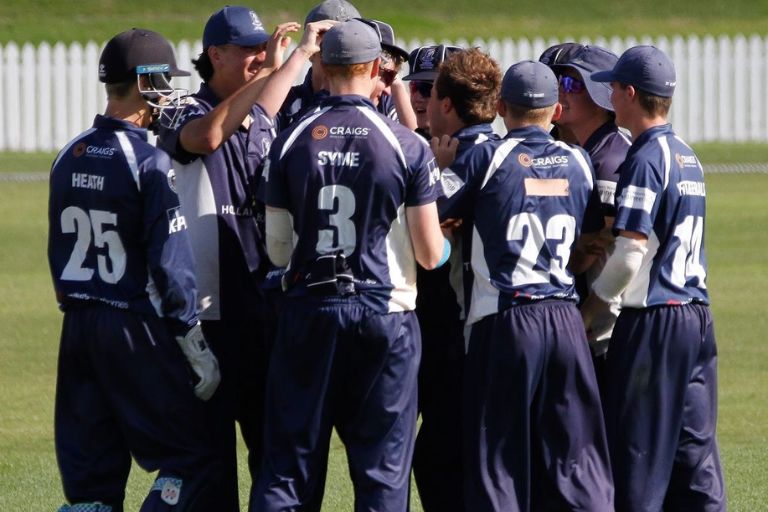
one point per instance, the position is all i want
(422, 87)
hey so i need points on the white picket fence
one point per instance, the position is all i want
(49, 94)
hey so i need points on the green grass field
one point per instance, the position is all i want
(98, 20)
(29, 326)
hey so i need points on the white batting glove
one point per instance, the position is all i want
(203, 362)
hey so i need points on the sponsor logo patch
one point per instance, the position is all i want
(172, 179)
(171, 491)
(176, 221)
(686, 160)
(450, 182)
(106, 152)
(319, 132)
(79, 149)
(358, 132)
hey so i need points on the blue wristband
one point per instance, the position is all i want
(446, 253)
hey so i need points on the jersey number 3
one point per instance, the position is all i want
(341, 220)
(76, 220)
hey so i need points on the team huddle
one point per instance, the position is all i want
(361, 250)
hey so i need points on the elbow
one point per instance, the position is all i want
(436, 256)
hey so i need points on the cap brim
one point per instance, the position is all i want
(395, 50)
(179, 72)
(426, 76)
(603, 76)
(251, 40)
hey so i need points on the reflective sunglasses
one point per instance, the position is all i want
(387, 76)
(571, 85)
(422, 87)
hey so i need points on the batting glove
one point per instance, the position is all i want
(203, 362)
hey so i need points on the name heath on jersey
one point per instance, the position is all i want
(89, 181)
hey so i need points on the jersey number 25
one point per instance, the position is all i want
(76, 220)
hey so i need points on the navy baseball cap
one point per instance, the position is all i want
(588, 60)
(386, 37)
(234, 25)
(424, 62)
(338, 10)
(137, 48)
(530, 84)
(559, 53)
(351, 42)
(644, 67)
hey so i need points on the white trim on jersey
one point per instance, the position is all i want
(130, 156)
(636, 294)
(485, 296)
(637, 198)
(70, 144)
(154, 295)
(302, 126)
(401, 264)
(198, 205)
(585, 167)
(499, 156)
(386, 131)
(667, 160)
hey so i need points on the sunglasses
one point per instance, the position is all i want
(387, 76)
(422, 87)
(571, 85)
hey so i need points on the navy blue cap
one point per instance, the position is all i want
(234, 25)
(386, 37)
(351, 42)
(559, 53)
(644, 67)
(424, 61)
(137, 51)
(338, 10)
(530, 84)
(587, 60)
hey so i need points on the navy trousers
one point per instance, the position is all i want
(533, 425)
(661, 410)
(337, 363)
(438, 466)
(124, 389)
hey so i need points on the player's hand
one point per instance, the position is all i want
(278, 43)
(313, 34)
(203, 362)
(593, 307)
(444, 149)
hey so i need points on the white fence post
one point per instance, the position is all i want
(3, 99)
(44, 99)
(13, 98)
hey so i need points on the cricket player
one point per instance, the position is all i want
(661, 405)
(218, 140)
(132, 355)
(307, 95)
(534, 437)
(351, 210)
(588, 115)
(461, 107)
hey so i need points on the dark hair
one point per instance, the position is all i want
(120, 90)
(472, 80)
(204, 66)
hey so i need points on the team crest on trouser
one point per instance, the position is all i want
(170, 489)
